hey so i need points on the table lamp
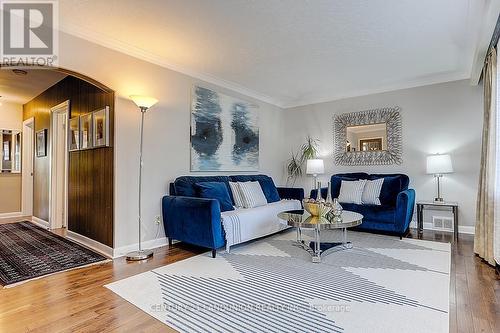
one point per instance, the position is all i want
(315, 167)
(438, 165)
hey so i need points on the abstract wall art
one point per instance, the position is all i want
(224, 132)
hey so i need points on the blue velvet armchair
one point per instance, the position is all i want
(394, 214)
(194, 220)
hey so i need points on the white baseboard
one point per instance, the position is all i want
(39, 222)
(13, 214)
(90, 243)
(462, 229)
(150, 244)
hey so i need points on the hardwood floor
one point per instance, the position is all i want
(76, 301)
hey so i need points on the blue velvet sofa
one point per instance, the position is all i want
(394, 214)
(195, 220)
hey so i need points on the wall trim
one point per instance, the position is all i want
(462, 229)
(13, 214)
(39, 222)
(150, 244)
(90, 243)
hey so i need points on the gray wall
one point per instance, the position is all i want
(441, 118)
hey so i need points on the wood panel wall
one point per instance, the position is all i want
(90, 176)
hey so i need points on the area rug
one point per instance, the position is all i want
(383, 284)
(28, 251)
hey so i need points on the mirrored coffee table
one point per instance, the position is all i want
(300, 219)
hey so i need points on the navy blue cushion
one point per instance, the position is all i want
(185, 185)
(215, 190)
(266, 183)
(390, 189)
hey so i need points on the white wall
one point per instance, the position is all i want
(11, 116)
(166, 140)
(441, 118)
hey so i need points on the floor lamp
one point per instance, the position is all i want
(144, 103)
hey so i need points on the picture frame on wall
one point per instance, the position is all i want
(74, 134)
(41, 143)
(86, 131)
(100, 127)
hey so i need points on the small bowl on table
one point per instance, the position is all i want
(316, 208)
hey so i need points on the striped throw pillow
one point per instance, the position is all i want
(252, 194)
(237, 196)
(352, 191)
(371, 192)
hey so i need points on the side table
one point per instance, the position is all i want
(420, 214)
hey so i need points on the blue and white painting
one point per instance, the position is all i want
(224, 132)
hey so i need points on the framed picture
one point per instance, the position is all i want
(41, 143)
(86, 131)
(100, 127)
(74, 134)
(224, 132)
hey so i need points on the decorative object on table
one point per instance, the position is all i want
(100, 127)
(315, 167)
(41, 143)
(421, 205)
(74, 134)
(86, 131)
(337, 211)
(224, 132)
(308, 151)
(144, 103)
(317, 207)
(356, 127)
(438, 165)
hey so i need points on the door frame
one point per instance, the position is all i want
(27, 176)
(62, 108)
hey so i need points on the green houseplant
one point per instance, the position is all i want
(294, 167)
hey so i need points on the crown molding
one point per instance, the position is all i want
(430, 80)
(125, 48)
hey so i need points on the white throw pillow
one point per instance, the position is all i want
(371, 192)
(237, 196)
(351, 191)
(252, 193)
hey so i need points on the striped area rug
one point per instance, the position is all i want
(383, 284)
(28, 251)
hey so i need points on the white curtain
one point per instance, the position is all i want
(488, 210)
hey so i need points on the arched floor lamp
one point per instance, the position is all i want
(144, 103)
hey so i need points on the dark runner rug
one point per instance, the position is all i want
(28, 251)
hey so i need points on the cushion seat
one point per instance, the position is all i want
(375, 213)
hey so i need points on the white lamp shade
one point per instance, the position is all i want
(438, 164)
(315, 167)
(143, 101)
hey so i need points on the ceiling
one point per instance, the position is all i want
(290, 52)
(23, 88)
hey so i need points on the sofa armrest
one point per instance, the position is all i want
(291, 193)
(324, 193)
(405, 204)
(193, 220)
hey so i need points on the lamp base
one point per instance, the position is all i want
(139, 255)
(439, 200)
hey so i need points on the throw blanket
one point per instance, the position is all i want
(245, 224)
